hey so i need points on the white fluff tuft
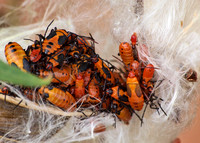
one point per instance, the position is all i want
(173, 49)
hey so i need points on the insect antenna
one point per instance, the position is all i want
(48, 28)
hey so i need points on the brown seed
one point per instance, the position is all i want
(99, 128)
(191, 76)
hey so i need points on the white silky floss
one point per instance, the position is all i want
(170, 29)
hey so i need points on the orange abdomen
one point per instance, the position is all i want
(16, 56)
(94, 92)
(148, 73)
(58, 97)
(71, 79)
(79, 87)
(59, 75)
(126, 53)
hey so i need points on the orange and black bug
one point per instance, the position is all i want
(191, 75)
(58, 97)
(16, 56)
(104, 70)
(149, 88)
(147, 74)
(30, 94)
(121, 112)
(83, 64)
(57, 59)
(59, 75)
(4, 90)
(118, 94)
(126, 53)
(84, 46)
(94, 93)
(79, 86)
(7, 92)
(135, 95)
(56, 39)
(134, 39)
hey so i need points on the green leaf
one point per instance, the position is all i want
(14, 75)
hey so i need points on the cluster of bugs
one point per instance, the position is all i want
(81, 78)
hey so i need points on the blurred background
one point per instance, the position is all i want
(190, 135)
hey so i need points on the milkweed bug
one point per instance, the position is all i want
(16, 56)
(58, 97)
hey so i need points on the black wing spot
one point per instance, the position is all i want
(13, 50)
(50, 43)
(62, 40)
(106, 71)
(60, 59)
(123, 98)
(48, 46)
(10, 43)
(12, 46)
